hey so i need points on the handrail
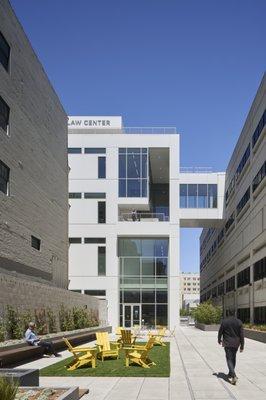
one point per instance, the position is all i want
(196, 170)
(154, 130)
(149, 217)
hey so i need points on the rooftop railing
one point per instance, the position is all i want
(150, 130)
(196, 170)
(146, 217)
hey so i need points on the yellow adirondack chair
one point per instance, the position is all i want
(118, 334)
(105, 347)
(82, 356)
(159, 335)
(127, 338)
(139, 355)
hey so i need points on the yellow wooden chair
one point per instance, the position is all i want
(106, 348)
(82, 356)
(118, 334)
(159, 336)
(127, 338)
(139, 355)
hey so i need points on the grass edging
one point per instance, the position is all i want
(116, 368)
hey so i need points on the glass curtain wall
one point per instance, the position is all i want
(198, 196)
(143, 280)
(133, 172)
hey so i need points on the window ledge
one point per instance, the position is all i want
(259, 188)
(230, 229)
(246, 167)
(242, 212)
(257, 144)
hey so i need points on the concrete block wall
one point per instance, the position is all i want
(35, 150)
(26, 295)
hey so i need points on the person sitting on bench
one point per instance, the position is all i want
(33, 340)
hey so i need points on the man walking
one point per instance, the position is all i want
(231, 336)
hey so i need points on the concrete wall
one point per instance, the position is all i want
(31, 296)
(245, 242)
(35, 152)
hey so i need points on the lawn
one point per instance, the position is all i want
(110, 367)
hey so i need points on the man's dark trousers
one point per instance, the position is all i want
(230, 353)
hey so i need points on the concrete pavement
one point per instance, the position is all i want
(198, 371)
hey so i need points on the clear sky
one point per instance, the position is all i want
(191, 64)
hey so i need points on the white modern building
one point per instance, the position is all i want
(125, 216)
(189, 290)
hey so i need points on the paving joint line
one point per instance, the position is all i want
(114, 385)
(185, 371)
(140, 388)
(209, 366)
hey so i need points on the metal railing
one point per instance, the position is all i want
(140, 217)
(196, 170)
(169, 130)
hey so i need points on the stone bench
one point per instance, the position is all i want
(18, 353)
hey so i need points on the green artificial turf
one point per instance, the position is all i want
(111, 367)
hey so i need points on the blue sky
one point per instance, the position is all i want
(191, 64)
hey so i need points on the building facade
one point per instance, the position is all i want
(189, 290)
(33, 179)
(233, 257)
(124, 217)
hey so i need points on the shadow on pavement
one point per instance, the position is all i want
(221, 375)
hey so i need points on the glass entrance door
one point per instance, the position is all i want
(131, 315)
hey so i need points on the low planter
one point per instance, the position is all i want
(32, 393)
(14, 353)
(25, 377)
(205, 327)
(253, 334)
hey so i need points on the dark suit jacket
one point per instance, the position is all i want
(231, 333)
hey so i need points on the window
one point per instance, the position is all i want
(101, 212)
(243, 277)
(198, 195)
(192, 196)
(74, 240)
(229, 222)
(94, 240)
(230, 190)
(259, 269)
(259, 129)
(96, 195)
(243, 201)
(214, 292)
(133, 172)
(230, 284)
(102, 167)
(243, 314)
(260, 315)
(35, 243)
(212, 196)
(75, 290)
(95, 292)
(221, 289)
(101, 261)
(74, 195)
(259, 177)
(4, 178)
(74, 150)
(220, 236)
(243, 162)
(4, 115)
(95, 150)
(4, 52)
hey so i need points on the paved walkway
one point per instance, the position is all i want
(197, 372)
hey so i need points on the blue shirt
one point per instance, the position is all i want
(31, 338)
